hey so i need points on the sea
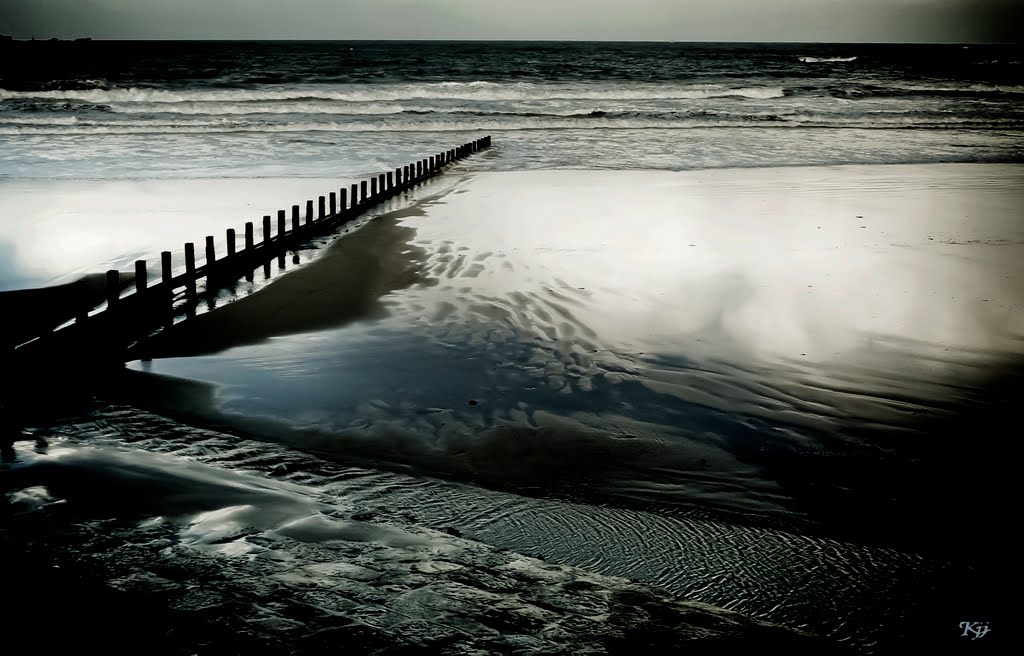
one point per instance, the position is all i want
(209, 109)
(510, 402)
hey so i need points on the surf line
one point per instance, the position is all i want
(134, 311)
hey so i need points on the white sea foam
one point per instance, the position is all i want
(814, 60)
(397, 92)
(63, 126)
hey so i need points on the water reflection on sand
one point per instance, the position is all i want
(709, 339)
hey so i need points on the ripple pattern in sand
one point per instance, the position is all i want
(836, 588)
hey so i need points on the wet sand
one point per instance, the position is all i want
(691, 338)
(56, 231)
(749, 387)
(198, 559)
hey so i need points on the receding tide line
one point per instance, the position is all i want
(129, 315)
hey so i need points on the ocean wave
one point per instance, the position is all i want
(594, 120)
(880, 88)
(814, 60)
(399, 92)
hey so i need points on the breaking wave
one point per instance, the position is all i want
(815, 60)
(443, 122)
(398, 92)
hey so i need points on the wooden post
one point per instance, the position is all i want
(334, 203)
(266, 229)
(380, 183)
(373, 187)
(166, 272)
(113, 287)
(398, 178)
(390, 181)
(342, 199)
(430, 163)
(309, 212)
(295, 218)
(419, 169)
(405, 175)
(355, 195)
(231, 242)
(211, 253)
(250, 239)
(362, 188)
(141, 276)
(322, 207)
(190, 268)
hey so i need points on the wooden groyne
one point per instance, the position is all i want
(141, 310)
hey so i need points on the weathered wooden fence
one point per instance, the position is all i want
(132, 314)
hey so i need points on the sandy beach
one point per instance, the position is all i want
(755, 377)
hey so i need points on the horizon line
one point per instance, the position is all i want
(474, 40)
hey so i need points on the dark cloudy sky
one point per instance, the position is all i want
(676, 20)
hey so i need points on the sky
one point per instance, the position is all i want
(626, 20)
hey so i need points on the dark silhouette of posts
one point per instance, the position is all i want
(113, 287)
(141, 276)
(344, 203)
(282, 227)
(190, 269)
(250, 244)
(166, 274)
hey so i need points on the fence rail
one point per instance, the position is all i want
(132, 314)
